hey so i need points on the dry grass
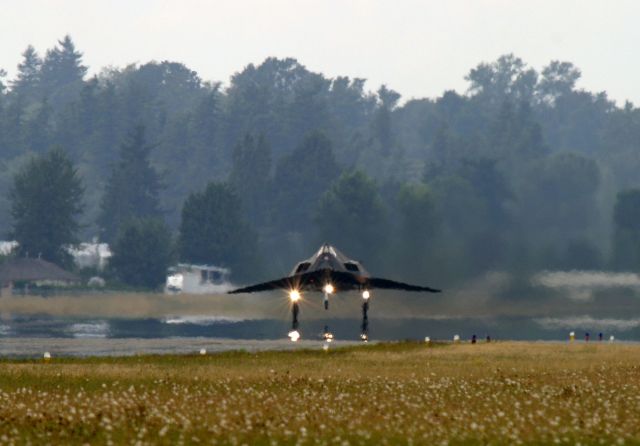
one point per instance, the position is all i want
(501, 393)
(475, 300)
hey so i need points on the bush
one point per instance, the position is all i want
(142, 253)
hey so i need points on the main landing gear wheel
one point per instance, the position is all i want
(364, 334)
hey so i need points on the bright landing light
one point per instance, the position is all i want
(294, 295)
(328, 288)
(365, 295)
(294, 335)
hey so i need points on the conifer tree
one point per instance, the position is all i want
(27, 83)
(133, 187)
(62, 73)
(46, 201)
(63, 64)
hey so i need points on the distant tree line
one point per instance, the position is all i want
(524, 171)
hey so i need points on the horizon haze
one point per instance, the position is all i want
(419, 49)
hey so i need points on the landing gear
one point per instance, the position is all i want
(327, 289)
(364, 335)
(327, 335)
(294, 334)
(295, 309)
(294, 296)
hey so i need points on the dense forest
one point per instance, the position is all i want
(522, 172)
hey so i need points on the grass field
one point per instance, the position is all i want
(406, 393)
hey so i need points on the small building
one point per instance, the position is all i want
(198, 279)
(35, 271)
(91, 255)
(7, 247)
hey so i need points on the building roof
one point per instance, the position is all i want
(25, 269)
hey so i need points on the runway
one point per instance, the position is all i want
(74, 347)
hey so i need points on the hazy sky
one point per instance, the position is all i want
(419, 48)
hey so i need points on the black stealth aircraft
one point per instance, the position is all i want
(330, 271)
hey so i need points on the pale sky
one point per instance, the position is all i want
(419, 48)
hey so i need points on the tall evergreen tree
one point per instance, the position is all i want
(133, 187)
(26, 86)
(62, 72)
(62, 64)
(46, 201)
